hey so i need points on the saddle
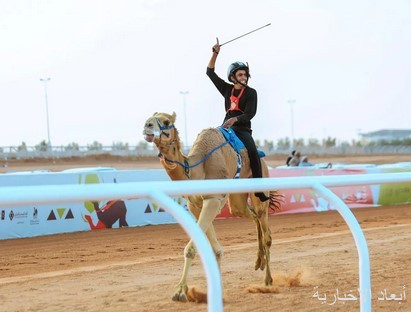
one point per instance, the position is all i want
(235, 142)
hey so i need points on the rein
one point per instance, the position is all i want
(185, 165)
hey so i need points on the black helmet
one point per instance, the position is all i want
(236, 66)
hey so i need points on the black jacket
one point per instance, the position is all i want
(248, 101)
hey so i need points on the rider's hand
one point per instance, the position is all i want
(216, 47)
(228, 123)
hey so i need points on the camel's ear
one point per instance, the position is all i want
(155, 113)
(173, 118)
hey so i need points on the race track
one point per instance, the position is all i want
(136, 269)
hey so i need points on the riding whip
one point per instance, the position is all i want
(245, 34)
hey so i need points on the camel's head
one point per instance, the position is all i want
(158, 128)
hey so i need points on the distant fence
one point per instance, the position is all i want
(13, 152)
(347, 150)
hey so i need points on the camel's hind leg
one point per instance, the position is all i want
(261, 261)
(261, 209)
(239, 207)
(264, 238)
(211, 207)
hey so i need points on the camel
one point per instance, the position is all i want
(210, 158)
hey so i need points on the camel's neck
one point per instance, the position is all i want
(173, 158)
(174, 170)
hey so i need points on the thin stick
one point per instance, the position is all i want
(245, 34)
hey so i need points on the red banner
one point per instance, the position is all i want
(307, 200)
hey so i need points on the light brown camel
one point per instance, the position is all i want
(204, 163)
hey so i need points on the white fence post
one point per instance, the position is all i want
(360, 241)
(187, 221)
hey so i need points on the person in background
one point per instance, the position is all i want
(295, 160)
(240, 105)
(289, 158)
(304, 162)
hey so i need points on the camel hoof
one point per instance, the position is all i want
(262, 266)
(259, 264)
(268, 281)
(181, 294)
(180, 297)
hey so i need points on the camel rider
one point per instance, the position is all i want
(241, 107)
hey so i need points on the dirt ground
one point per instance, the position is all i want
(314, 260)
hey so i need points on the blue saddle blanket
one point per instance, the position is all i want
(234, 141)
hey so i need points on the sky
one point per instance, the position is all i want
(321, 69)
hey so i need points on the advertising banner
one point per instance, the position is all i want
(36, 220)
(307, 200)
(393, 194)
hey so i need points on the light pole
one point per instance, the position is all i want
(291, 102)
(184, 93)
(45, 80)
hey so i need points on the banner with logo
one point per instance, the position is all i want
(36, 220)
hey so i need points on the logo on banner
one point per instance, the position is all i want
(35, 220)
(20, 216)
(154, 208)
(60, 214)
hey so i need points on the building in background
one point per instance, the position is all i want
(388, 135)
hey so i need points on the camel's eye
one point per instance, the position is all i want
(166, 123)
(149, 125)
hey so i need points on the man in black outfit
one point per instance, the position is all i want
(289, 158)
(240, 105)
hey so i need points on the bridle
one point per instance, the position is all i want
(169, 163)
(162, 128)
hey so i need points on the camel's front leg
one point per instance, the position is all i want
(182, 288)
(211, 208)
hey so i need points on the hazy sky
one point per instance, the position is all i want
(112, 64)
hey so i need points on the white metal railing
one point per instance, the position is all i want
(161, 192)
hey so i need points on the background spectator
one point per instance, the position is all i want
(295, 160)
(304, 162)
(289, 158)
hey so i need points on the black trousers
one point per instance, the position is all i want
(244, 134)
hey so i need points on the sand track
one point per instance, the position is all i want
(136, 269)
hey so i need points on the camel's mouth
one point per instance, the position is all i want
(149, 138)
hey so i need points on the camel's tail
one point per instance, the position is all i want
(276, 201)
